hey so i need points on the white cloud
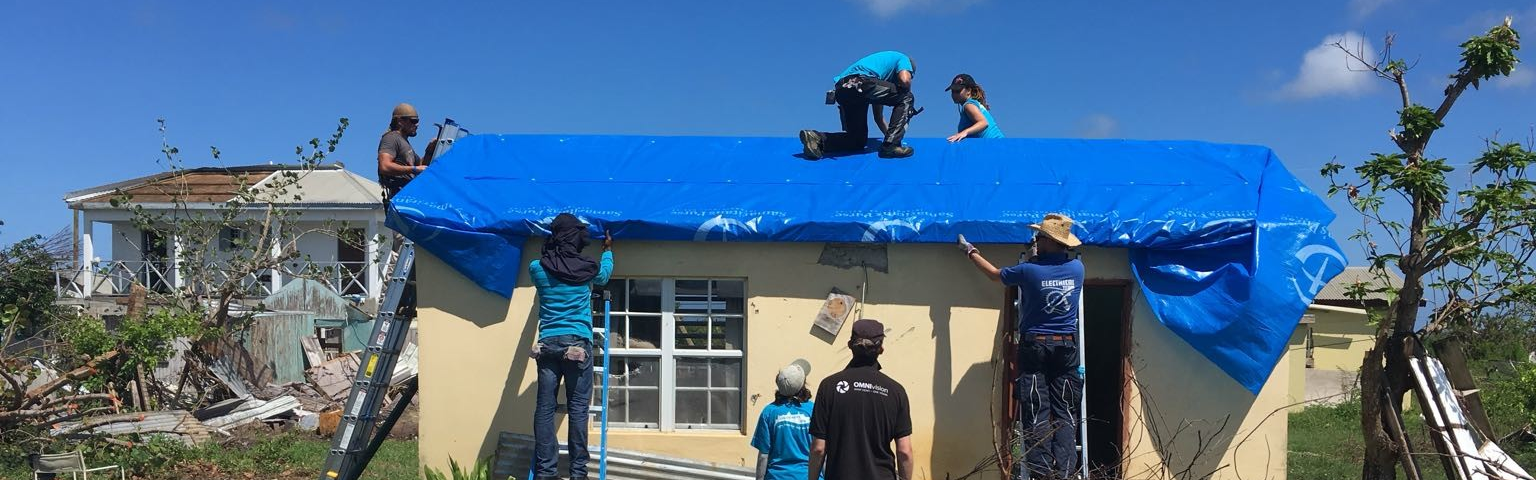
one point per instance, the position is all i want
(886, 8)
(1327, 70)
(1363, 8)
(1520, 78)
(1098, 125)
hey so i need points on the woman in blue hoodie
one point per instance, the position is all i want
(564, 279)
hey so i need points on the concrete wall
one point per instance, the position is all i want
(943, 318)
(126, 241)
(1339, 340)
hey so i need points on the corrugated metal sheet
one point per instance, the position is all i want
(273, 354)
(178, 424)
(253, 410)
(226, 375)
(306, 295)
(330, 310)
(514, 454)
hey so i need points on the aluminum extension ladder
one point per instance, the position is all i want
(356, 438)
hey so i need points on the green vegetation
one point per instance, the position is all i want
(274, 456)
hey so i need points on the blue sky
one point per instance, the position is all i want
(84, 83)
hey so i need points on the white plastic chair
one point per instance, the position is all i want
(72, 463)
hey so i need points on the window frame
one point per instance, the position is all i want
(668, 352)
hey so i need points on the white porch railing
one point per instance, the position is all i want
(345, 278)
(112, 278)
(117, 277)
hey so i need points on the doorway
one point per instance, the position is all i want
(1107, 369)
(1106, 360)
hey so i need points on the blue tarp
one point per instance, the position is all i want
(1228, 247)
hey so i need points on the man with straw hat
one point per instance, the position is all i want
(398, 163)
(1048, 386)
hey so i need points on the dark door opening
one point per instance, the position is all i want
(1106, 334)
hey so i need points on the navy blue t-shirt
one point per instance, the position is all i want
(1051, 285)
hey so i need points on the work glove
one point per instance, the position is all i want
(964, 245)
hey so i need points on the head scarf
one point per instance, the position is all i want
(561, 257)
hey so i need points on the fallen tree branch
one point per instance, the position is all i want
(55, 407)
(36, 395)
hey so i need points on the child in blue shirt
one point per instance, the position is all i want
(783, 437)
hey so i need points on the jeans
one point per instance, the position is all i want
(1049, 393)
(855, 94)
(553, 368)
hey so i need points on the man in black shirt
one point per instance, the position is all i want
(859, 412)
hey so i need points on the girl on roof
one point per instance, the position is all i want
(975, 117)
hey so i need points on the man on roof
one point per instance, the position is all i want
(881, 79)
(398, 163)
(1048, 388)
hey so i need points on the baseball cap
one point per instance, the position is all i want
(963, 80)
(869, 329)
(791, 378)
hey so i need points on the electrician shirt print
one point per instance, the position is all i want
(1049, 287)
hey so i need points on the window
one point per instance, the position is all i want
(677, 348)
(231, 238)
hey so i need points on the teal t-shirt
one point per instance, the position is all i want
(992, 131)
(566, 309)
(881, 65)
(783, 434)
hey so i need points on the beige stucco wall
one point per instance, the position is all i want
(1296, 360)
(1340, 339)
(943, 319)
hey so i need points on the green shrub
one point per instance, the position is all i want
(481, 471)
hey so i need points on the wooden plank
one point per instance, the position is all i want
(312, 351)
(1454, 359)
(334, 378)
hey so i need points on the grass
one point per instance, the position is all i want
(1325, 443)
(275, 456)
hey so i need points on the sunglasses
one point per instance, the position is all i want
(413, 120)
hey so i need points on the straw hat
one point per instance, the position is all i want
(1059, 228)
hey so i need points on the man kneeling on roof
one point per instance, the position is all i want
(1048, 388)
(880, 79)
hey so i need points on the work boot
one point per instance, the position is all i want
(890, 150)
(811, 140)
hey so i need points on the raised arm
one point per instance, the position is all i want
(976, 259)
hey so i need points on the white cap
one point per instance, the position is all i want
(791, 378)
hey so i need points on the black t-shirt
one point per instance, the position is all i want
(859, 412)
